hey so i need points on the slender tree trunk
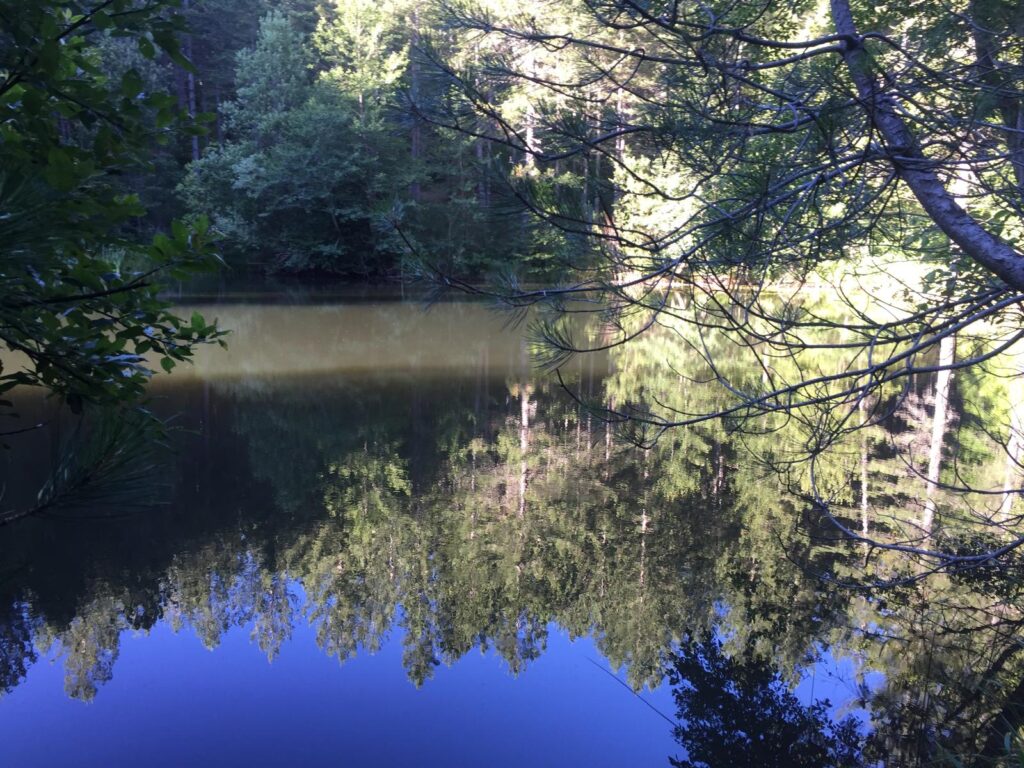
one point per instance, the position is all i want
(219, 119)
(531, 138)
(530, 118)
(620, 115)
(190, 85)
(585, 187)
(1011, 107)
(481, 163)
(416, 135)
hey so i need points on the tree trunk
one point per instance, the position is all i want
(914, 168)
(416, 134)
(190, 86)
(1010, 106)
(530, 118)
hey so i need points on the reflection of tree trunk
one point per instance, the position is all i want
(480, 395)
(1015, 442)
(947, 355)
(644, 523)
(524, 443)
(608, 440)
(718, 467)
(579, 429)
(864, 528)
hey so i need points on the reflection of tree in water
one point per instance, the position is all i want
(737, 712)
(472, 513)
(17, 650)
(93, 643)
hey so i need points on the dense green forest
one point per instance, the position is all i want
(306, 148)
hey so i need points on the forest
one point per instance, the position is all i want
(676, 342)
(295, 132)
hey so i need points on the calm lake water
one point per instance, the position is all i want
(384, 537)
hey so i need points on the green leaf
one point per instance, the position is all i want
(60, 170)
(146, 47)
(170, 45)
(131, 84)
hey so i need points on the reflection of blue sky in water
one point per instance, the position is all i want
(229, 707)
(842, 680)
(839, 680)
(176, 703)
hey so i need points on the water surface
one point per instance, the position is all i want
(385, 537)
